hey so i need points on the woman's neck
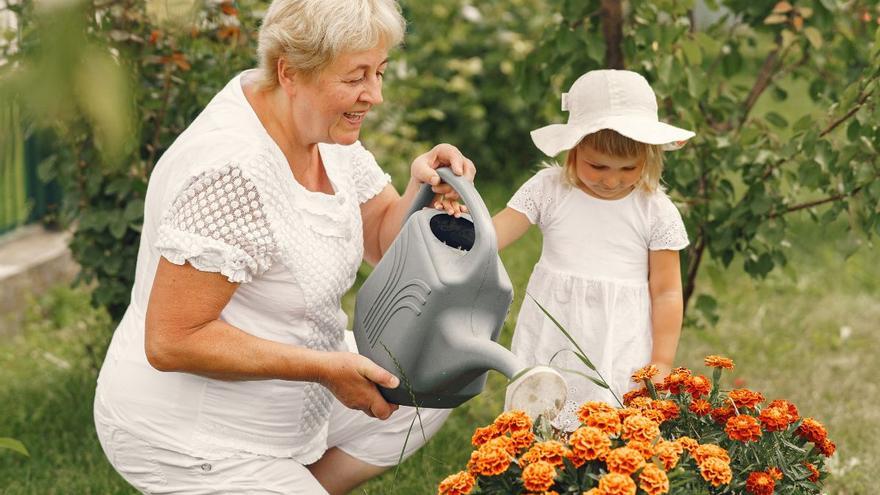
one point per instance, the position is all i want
(273, 109)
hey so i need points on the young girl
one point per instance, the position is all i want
(609, 269)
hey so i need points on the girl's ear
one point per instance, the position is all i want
(287, 77)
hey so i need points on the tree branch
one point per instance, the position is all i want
(693, 268)
(817, 202)
(770, 66)
(612, 30)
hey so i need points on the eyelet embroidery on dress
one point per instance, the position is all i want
(533, 199)
(668, 231)
(217, 223)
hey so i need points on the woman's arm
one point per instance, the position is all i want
(510, 225)
(382, 215)
(184, 334)
(664, 284)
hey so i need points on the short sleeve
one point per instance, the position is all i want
(667, 227)
(535, 198)
(369, 179)
(218, 224)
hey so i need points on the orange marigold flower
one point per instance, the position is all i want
(667, 407)
(638, 427)
(722, 414)
(716, 471)
(617, 484)
(538, 476)
(814, 473)
(588, 408)
(687, 443)
(510, 421)
(460, 483)
(505, 443)
(607, 421)
(627, 412)
(793, 413)
(700, 407)
(774, 418)
(775, 473)
(491, 459)
(675, 382)
(826, 448)
(655, 416)
(698, 386)
(483, 435)
(668, 453)
(645, 374)
(812, 431)
(704, 452)
(624, 460)
(653, 480)
(644, 448)
(760, 483)
(632, 394)
(743, 428)
(681, 370)
(522, 439)
(588, 443)
(550, 451)
(593, 491)
(743, 397)
(718, 362)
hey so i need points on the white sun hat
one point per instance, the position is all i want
(621, 100)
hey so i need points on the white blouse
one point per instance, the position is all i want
(224, 199)
(593, 278)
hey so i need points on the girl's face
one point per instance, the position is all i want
(606, 176)
(332, 106)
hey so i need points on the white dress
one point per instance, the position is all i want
(593, 278)
(224, 199)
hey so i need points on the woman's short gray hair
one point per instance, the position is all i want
(310, 34)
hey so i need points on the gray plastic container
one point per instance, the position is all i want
(433, 307)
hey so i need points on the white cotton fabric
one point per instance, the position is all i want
(224, 199)
(593, 278)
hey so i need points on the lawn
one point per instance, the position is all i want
(807, 333)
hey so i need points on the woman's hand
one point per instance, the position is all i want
(424, 170)
(352, 378)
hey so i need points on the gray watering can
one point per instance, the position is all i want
(432, 309)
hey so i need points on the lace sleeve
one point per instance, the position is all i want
(535, 198)
(369, 179)
(218, 224)
(667, 227)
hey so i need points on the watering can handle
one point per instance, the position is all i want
(484, 231)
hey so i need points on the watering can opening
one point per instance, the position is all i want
(454, 232)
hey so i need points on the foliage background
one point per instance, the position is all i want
(784, 104)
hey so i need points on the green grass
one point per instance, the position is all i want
(807, 333)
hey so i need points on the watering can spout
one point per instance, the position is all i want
(489, 355)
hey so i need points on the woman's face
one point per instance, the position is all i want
(606, 176)
(331, 106)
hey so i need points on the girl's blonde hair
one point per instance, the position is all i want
(611, 142)
(310, 34)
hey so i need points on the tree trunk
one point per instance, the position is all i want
(612, 30)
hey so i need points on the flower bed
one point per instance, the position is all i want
(682, 436)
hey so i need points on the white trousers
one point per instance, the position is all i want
(153, 469)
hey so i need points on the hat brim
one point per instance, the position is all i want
(555, 138)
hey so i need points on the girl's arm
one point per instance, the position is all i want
(510, 225)
(664, 284)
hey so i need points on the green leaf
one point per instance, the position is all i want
(134, 210)
(13, 445)
(813, 36)
(580, 352)
(118, 228)
(776, 119)
(692, 52)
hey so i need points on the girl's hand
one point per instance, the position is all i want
(352, 378)
(452, 207)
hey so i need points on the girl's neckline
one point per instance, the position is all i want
(603, 200)
(276, 150)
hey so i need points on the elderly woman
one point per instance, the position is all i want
(230, 372)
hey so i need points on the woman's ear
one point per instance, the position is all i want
(286, 77)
